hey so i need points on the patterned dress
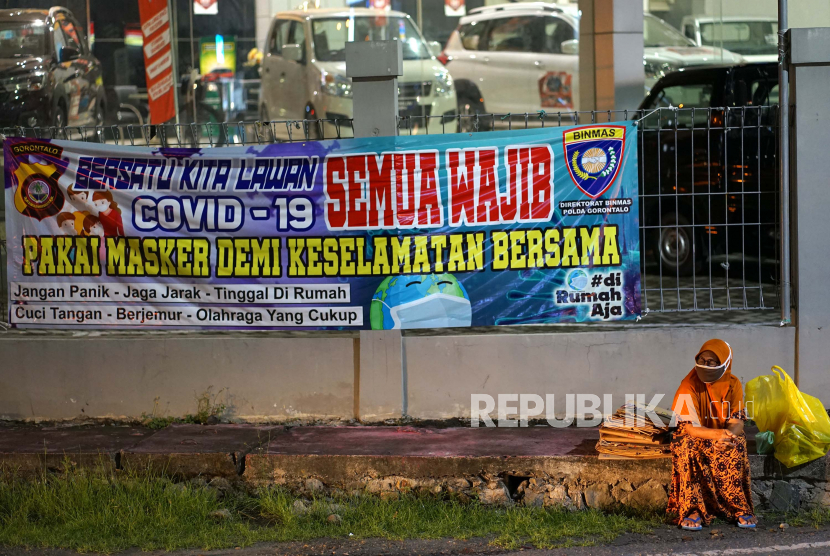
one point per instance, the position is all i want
(712, 481)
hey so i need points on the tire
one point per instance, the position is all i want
(59, 116)
(313, 129)
(209, 117)
(100, 113)
(468, 107)
(100, 118)
(311, 124)
(676, 246)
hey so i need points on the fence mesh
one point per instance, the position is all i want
(708, 188)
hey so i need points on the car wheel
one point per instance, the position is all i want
(212, 130)
(314, 131)
(676, 246)
(468, 108)
(59, 117)
(100, 114)
(313, 127)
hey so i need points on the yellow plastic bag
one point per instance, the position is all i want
(799, 422)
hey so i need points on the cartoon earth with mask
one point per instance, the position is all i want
(420, 301)
(577, 279)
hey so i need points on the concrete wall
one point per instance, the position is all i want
(611, 52)
(120, 376)
(380, 375)
(444, 371)
(809, 80)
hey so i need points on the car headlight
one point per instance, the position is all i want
(443, 83)
(34, 81)
(656, 70)
(336, 85)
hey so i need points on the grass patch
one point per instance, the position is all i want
(815, 517)
(424, 517)
(98, 512)
(208, 406)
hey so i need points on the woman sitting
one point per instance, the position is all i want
(710, 468)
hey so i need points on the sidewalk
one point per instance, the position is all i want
(532, 466)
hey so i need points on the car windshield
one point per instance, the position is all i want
(23, 39)
(690, 95)
(743, 37)
(332, 34)
(656, 33)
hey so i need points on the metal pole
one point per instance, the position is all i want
(420, 15)
(174, 38)
(88, 24)
(784, 160)
(192, 52)
(193, 65)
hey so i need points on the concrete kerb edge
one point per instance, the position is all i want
(575, 482)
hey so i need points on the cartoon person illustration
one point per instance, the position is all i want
(66, 223)
(77, 198)
(108, 213)
(72, 223)
(93, 226)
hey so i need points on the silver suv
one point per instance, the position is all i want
(304, 68)
(523, 57)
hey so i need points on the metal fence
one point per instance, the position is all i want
(708, 179)
(4, 295)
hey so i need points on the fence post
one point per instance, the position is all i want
(784, 160)
(810, 119)
(379, 377)
(374, 67)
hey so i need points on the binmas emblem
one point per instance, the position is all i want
(38, 194)
(593, 155)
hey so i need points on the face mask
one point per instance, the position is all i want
(711, 374)
(438, 310)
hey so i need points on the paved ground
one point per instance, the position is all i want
(722, 540)
(230, 449)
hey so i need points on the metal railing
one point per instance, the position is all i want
(708, 180)
(4, 294)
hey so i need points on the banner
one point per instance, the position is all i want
(205, 7)
(497, 228)
(158, 59)
(454, 8)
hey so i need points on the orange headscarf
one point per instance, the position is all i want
(714, 401)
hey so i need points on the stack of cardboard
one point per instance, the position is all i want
(631, 434)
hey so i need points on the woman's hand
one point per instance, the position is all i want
(727, 439)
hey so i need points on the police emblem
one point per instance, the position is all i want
(593, 154)
(38, 194)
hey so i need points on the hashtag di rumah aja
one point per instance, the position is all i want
(564, 296)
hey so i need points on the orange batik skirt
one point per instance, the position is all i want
(712, 481)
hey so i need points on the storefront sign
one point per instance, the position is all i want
(498, 228)
(454, 8)
(205, 7)
(217, 56)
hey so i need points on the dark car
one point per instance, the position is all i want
(48, 77)
(708, 166)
